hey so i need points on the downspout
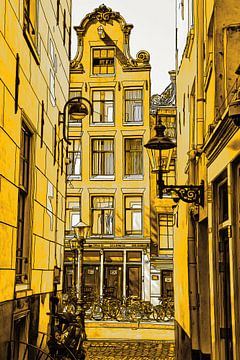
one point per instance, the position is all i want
(194, 147)
(200, 74)
(192, 265)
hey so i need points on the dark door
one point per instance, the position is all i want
(134, 281)
(112, 286)
(19, 335)
(225, 300)
(167, 283)
(91, 276)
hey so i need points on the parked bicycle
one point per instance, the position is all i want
(164, 311)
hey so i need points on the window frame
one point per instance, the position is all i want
(72, 154)
(103, 104)
(129, 100)
(102, 215)
(24, 205)
(102, 161)
(101, 49)
(72, 210)
(128, 158)
(30, 26)
(133, 210)
(169, 236)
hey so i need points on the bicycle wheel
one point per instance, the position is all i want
(169, 311)
(158, 313)
(114, 309)
(98, 313)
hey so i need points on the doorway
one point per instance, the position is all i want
(113, 279)
(134, 283)
(167, 283)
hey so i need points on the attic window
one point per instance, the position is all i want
(103, 61)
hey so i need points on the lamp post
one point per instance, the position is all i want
(155, 146)
(81, 231)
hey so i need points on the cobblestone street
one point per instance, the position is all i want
(130, 350)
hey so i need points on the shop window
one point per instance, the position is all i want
(134, 256)
(113, 256)
(102, 157)
(74, 155)
(134, 106)
(102, 215)
(133, 215)
(24, 206)
(103, 61)
(133, 157)
(165, 223)
(91, 256)
(103, 106)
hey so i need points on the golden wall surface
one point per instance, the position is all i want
(34, 72)
(207, 239)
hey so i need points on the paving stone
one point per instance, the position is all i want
(122, 350)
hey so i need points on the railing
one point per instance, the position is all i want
(21, 350)
(48, 348)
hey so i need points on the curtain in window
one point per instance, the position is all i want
(133, 157)
(103, 160)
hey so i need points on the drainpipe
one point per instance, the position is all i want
(200, 74)
(192, 266)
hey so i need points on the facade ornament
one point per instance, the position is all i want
(105, 15)
(167, 98)
(143, 57)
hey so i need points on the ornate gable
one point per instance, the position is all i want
(104, 15)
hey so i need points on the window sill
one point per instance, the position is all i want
(133, 177)
(135, 236)
(102, 237)
(22, 290)
(74, 177)
(102, 124)
(133, 123)
(102, 75)
(103, 177)
(32, 46)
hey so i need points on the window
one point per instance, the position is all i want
(74, 156)
(170, 123)
(73, 212)
(223, 201)
(30, 23)
(165, 223)
(133, 157)
(74, 93)
(134, 105)
(103, 61)
(169, 176)
(133, 215)
(102, 215)
(103, 106)
(102, 157)
(23, 235)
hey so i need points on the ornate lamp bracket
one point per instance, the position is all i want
(186, 193)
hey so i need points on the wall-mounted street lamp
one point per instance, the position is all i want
(155, 146)
(76, 110)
